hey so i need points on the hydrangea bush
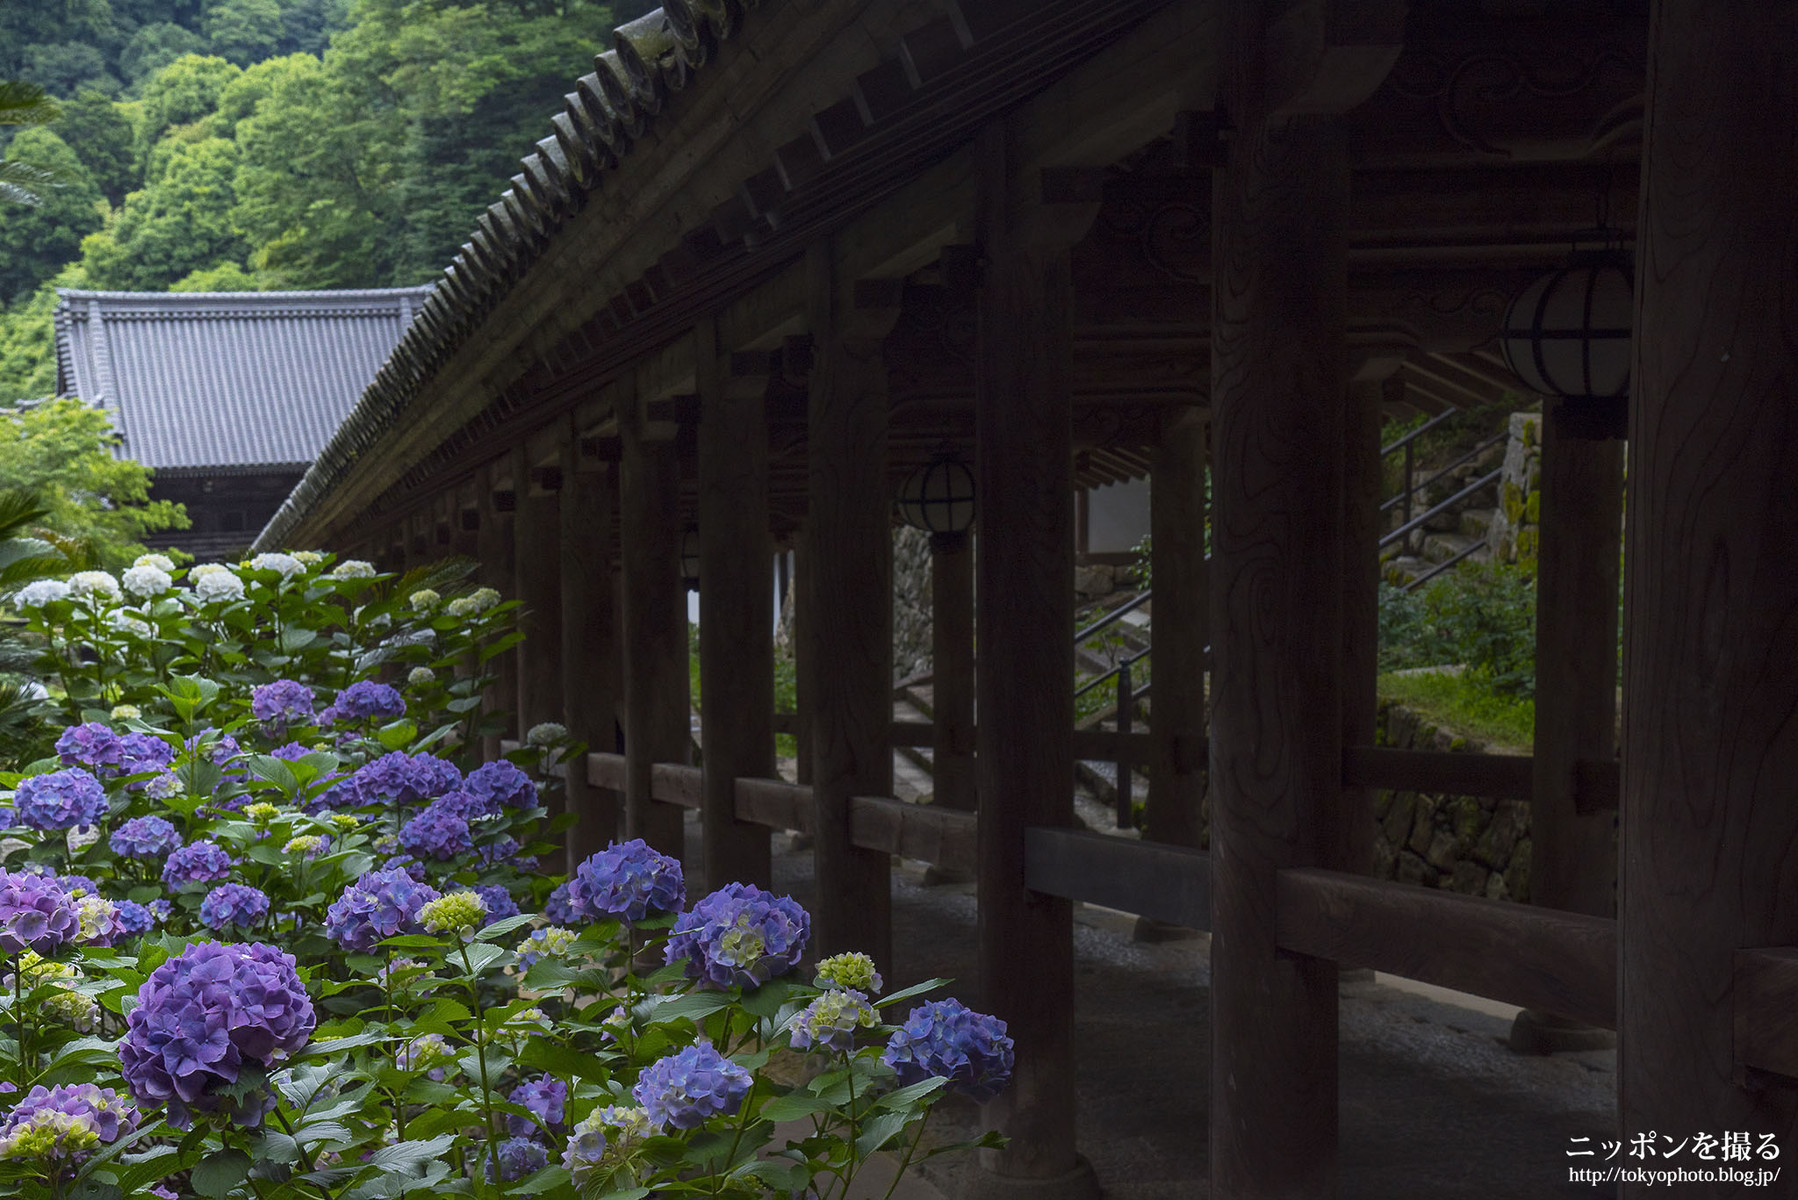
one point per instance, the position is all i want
(269, 928)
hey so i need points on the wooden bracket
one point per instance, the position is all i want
(1202, 138)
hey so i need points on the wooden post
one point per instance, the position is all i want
(952, 669)
(1350, 846)
(736, 610)
(654, 607)
(848, 572)
(1279, 303)
(804, 686)
(496, 572)
(1573, 858)
(589, 640)
(537, 529)
(1710, 748)
(1025, 620)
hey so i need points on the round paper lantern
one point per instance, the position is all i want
(689, 559)
(939, 496)
(1568, 333)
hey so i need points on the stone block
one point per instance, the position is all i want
(1095, 580)
(1412, 869)
(1495, 887)
(1385, 857)
(1423, 825)
(1396, 821)
(1494, 847)
(1444, 851)
(1517, 874)
(1470, 878)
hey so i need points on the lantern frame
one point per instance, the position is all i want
(940, 496)
(1525, 332)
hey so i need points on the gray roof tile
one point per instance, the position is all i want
(217, 379)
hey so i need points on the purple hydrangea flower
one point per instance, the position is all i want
(628, 880)
(103, 1112)
(233, 904)
(75, 886)
(401, 778)
(437, 833)
(684, 1089)
(499, 902)
(290, 752)
(408, 864)
(60, 800)
(560, 905)
(503, 849)
(545, 1097)
(381, 904)
(740, 935)
(35, 914)
(202, 1017)
(160, 910)
(145, 837)
(503, 783)
(223, 751)
(830, 1021)
(197, 862)
(139, 752)
(466, 805)
(520, 1156)
(364, 699)
(944, 1038)
(92, 745)
(280, 704)
(133, 918)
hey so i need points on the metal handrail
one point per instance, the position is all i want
(1483, 481)
(1122, 663)
(1478, 450)
(1115, 614)
(1428, 425)
(1440, 567)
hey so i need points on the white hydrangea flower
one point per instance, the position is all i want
(219, 585)
(161, 562)
(308, 558)
(205, 569)
(84, 583)
(419, 676)
(287, 564)
(119, 619)
(547, 733)
(40, 592)
(484, 598)
(423, 600)
(147, 580)
(353, 568)
(461, 606)
(126, 712)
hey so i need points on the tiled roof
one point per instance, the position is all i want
(227, 379)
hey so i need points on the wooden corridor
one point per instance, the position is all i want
(774, 258)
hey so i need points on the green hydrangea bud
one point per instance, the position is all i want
(419, 676)
(50, 1134)
(126, 712)
(851, 970)
(344, 821)
(261, 812)
(423, 600)
(459, 913)
(306, 844)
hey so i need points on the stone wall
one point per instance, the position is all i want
(911, 602)
(1474, 845)
(1512, 536)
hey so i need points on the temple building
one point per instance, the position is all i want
(227, 396)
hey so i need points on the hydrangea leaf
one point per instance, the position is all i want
(217, 1174)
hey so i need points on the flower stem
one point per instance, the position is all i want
(917, 1139)
(480, 1050)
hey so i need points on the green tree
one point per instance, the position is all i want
(99, 133)
(154, 47)
(243, 31)
(23, 103)
(228, 277)
(185, 91)
(36, 242)
(63, 68)
(178, 224)
(28, 341)
(63, 452)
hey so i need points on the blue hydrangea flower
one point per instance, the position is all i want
(830, 1021)
(503, 783)
(140, 752)
(93, 745)
(60, 800)
(401, 778)
(520, 1156)
(502, 851)
(545, 1097)
(232, 904)
(560, 905)
(197, 862)
(740, 936)
(627, 880)
(498, 900)
(946, 1039)
(381, 904)
(145, 837)
(408, 864)
(133, 918)
(437, 833)
(65, 1122)
(35, 914)
(203, 1016)
(290, 752)
(365, 699)
(73, 886)
(466, 805)
(683, 1089)
(280, 704)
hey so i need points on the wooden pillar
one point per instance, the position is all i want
(952, 669)
(590, 680)
(1277, 390)
(495, 545)
(804, 686)
(1710, 743)
(537, 527)
(1573, 860)
(1182, 629)
(654, 608)
(736, 609)
(1025, 621)
(848, 572)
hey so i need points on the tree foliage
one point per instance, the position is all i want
(35, 241)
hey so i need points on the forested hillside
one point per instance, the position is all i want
(226, 145)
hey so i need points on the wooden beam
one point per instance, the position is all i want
(1710, 743)
(1164, 883)
(736, 608)
(606, 770)
(1516, 953)
(849, 571)
(775, 804)
(590, 646)
(1182, 629)
(952, 670)
(1766, 1010)
(926, 832)
(1502, 776)
(676, 784)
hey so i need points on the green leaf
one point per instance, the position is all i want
(397, 735)
(219, 1172)
(917, 989)
(766, 1000)
(501, 928)
(905, 1097)
(694, 1006)
(791, 1107)
(878, 1131)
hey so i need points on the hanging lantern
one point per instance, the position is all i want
(689, 559)
(939, 496)
(1568, 333)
